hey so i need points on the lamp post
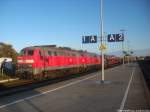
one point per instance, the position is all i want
(101, 38)
(128, 44)
(122, 30)
(105, 40)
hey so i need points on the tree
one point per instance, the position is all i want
(128, 53)
(6, 50)
(131, 52)
(125, 53)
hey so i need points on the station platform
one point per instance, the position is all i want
(125, 91)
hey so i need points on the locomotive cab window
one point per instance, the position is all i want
(49, 53)
(30, 52)
(27, 52)
(55, 53)
(73, 54)
(40, 54)
(22, 52)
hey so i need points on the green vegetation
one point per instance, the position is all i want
(127, 53)
(6, 50)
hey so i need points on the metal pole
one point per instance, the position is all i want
(102, 54)
(122, 30)
(105, 40)
(122, 52)
(128, 51)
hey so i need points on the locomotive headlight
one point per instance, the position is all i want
(19, 61)
(26, 61)
(29, 61)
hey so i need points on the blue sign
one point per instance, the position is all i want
(89, 39)
(119, 37)
(111, 38)
(115, 37)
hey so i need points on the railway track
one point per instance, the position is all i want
(145, 67)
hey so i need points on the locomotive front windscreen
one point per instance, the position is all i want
(27, 52)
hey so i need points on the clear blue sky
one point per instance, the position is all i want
(63, 22)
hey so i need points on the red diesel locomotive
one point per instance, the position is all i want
(49, 61)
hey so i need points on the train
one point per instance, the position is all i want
(49, 61)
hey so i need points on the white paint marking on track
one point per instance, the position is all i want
(127, 90)
(46, 92)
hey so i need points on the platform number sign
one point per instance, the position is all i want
(115, 37)
(119, 37)
(89, 39)
(111, 37)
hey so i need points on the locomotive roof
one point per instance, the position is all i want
(54, 47)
